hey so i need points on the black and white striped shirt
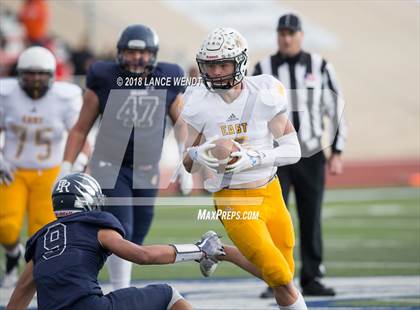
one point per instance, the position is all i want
(313, 94)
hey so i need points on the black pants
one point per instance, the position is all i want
(308, 180)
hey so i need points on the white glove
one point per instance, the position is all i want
(80, 163)
(201, 154)
(208, 264)
(247, 158)
(7, 171)
(185, 181)
(211, 245)
(66, 168)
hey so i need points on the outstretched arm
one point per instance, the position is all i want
(24, 291)
(112, 241)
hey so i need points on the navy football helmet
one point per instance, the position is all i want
(76, 192)
(138, 37)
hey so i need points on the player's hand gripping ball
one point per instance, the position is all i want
(222, 152)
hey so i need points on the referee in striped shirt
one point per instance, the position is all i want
(313, 94)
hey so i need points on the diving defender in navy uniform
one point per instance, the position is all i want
(133, 109)
(65, 256)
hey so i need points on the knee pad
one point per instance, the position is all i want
(9, 233)
(275, 274)
(274, 267)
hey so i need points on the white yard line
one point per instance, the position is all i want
(331, 196)
(235, 294)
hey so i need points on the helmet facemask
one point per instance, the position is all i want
(36, 69)
(223, 45)
(35, 88)
(223, 82)
(148, 66)
(138, 37)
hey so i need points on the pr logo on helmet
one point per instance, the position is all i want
(63, 185)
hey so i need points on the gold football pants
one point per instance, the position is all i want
(268, 241)
(30, 191)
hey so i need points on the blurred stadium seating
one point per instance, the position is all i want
(376, 61)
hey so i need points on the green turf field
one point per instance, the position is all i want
(366, 233)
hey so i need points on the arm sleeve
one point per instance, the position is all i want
(286, 152)
(334, 108)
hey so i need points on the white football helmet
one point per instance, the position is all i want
(223, 45)
(36, 59)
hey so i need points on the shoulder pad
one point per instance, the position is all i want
(103, 68)
(262, 81)
(31, 243)
(66, 90)
(194, 98)
(7, 86)
(97, 218)
(272, 91)
(104, 65)
(268, 80)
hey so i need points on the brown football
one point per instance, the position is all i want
(222, 151)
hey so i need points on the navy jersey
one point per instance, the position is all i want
(67, 257)
(126, 102)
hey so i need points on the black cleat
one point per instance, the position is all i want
(316, 288)
(12, 262)
(10, 278)
(268, 293)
